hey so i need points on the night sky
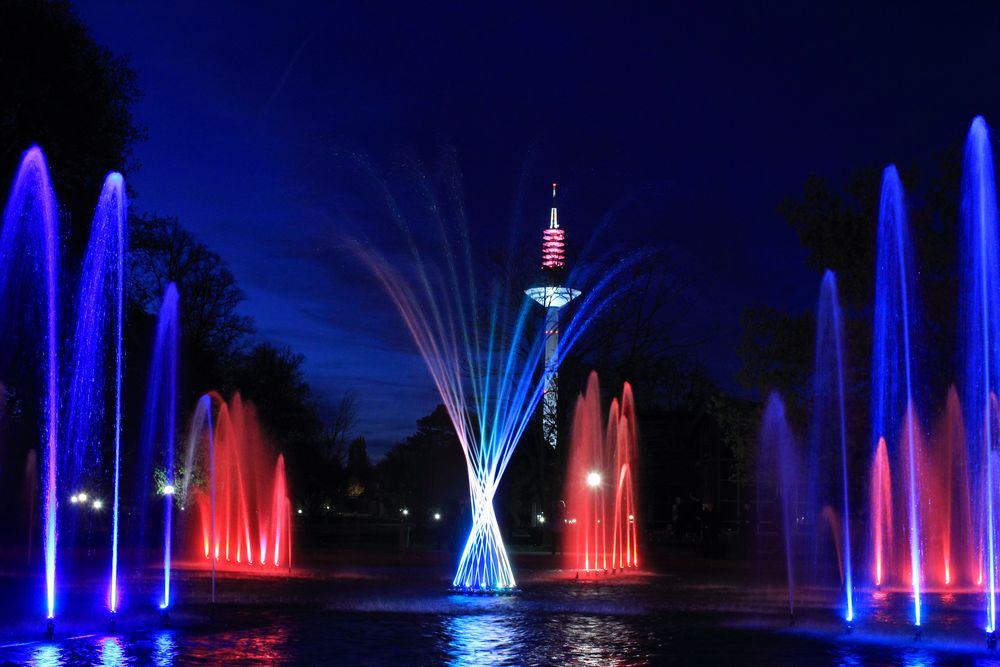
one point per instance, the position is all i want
(693, 123)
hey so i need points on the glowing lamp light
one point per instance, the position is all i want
(168, 490)
(593, 479)
(437, 516)
(406, 512)
(300, 510)
(74, 499)
(541, 518)
(82, 497)
(97, 504)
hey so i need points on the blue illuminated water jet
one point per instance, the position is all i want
(99, 319)
(202, 431)
(892, 401)
(29, 267)
(778, 461)
(160, 420)
(980, 329)
(828, 396)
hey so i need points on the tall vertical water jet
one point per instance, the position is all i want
(600, 483)
(980, 329)
(829, 425)
(880, 497)
(777, 460)
(160, 421)
(99, 319)
(29, 265)
(623, 440)
(893, 408)
(958, 529)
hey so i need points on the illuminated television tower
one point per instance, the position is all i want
(552, 296)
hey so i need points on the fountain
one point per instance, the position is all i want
(242, 511)
(28, 259)
(600, 484)
(829, 431)
(160, 422)
(932, 497)
(893, 408)
(99, 318)
(483, 357)
(29, 267)
(980, 283)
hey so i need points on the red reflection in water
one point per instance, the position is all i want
(252, 510)
(601, 512)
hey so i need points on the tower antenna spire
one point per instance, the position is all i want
(553, 218)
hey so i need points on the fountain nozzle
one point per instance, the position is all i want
(991, 639)
(918, 632)
(849, 626)
(112, 623)
(50, 629)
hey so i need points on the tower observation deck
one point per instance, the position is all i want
(552, 295)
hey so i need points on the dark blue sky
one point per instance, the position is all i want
(702, 117)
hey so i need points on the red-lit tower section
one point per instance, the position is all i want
(553, 240)
(552, 296)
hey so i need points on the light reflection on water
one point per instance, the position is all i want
(478, 640)
(164, 649)
(112, 654)
(582, 627)
(46, 655)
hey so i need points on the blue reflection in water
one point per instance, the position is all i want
(47, 655)
(112, 653)
(477, 640)
(164, 649)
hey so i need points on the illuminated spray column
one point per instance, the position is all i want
(552, 296)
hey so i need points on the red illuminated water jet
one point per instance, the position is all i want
(252, 522)
(601, 511)
(951, 556)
